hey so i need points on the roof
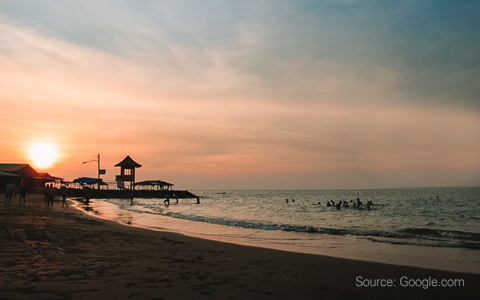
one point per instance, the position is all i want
(6, 174)
(18, 169)
(24, 170)
(12, 167)
(153, 183)
(128, 162)
(47, 177)
(89, 180)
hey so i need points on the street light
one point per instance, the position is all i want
(100, 171)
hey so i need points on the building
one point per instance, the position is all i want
(19, 174)
(127, 172)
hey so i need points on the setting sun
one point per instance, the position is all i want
(43, 154)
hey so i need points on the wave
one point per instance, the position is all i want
(418, 233)
(438, 233)
(410, 236)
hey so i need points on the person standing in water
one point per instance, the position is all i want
(359, 203)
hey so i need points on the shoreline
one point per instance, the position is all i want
(62, 253)
(350, 247)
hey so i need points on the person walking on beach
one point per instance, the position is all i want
(23, 192)
(9, 192)
(50, 195)
(64, 195)
(45, 195)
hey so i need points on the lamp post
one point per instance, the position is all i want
(100, 171)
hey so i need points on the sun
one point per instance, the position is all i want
(43, 154)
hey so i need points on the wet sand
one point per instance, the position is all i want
(61, 253)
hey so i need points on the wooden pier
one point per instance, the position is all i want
(128, 194)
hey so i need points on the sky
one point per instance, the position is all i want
(287, 94)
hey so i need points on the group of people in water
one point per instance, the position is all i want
(357, 204)
(331, 203)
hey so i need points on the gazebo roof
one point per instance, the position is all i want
(128, 162)
(154, 183)
(89, 180)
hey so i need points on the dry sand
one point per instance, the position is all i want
(61, 253)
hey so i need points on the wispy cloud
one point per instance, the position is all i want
(254, 92)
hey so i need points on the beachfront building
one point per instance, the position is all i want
(23, 174)
(127, 173)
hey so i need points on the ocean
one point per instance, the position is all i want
(433, 227)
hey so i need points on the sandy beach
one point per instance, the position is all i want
(61, 253)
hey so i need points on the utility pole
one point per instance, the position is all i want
(100, 171)
(98, 160)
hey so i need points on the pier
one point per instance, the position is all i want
(128, 194)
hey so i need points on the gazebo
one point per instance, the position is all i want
(82, 181)
(154, 185)
(127, 172)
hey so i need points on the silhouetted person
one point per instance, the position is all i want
(286, 200)
(132, 195)
(198, 200)
(9, 193)
(328, 203)
(23, 192)
(339, 204)
(167, 201)
(45, 195)
(51, 195)
(64, 195)
(359, 203)
(88, 196)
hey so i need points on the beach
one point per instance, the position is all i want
(62, 253)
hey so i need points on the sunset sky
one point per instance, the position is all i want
(246, 94)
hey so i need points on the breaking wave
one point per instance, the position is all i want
(407, 236)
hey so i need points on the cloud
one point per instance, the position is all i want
(269, 97)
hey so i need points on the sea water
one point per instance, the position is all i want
(418, 224)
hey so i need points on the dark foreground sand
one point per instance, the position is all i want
(60, 253)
